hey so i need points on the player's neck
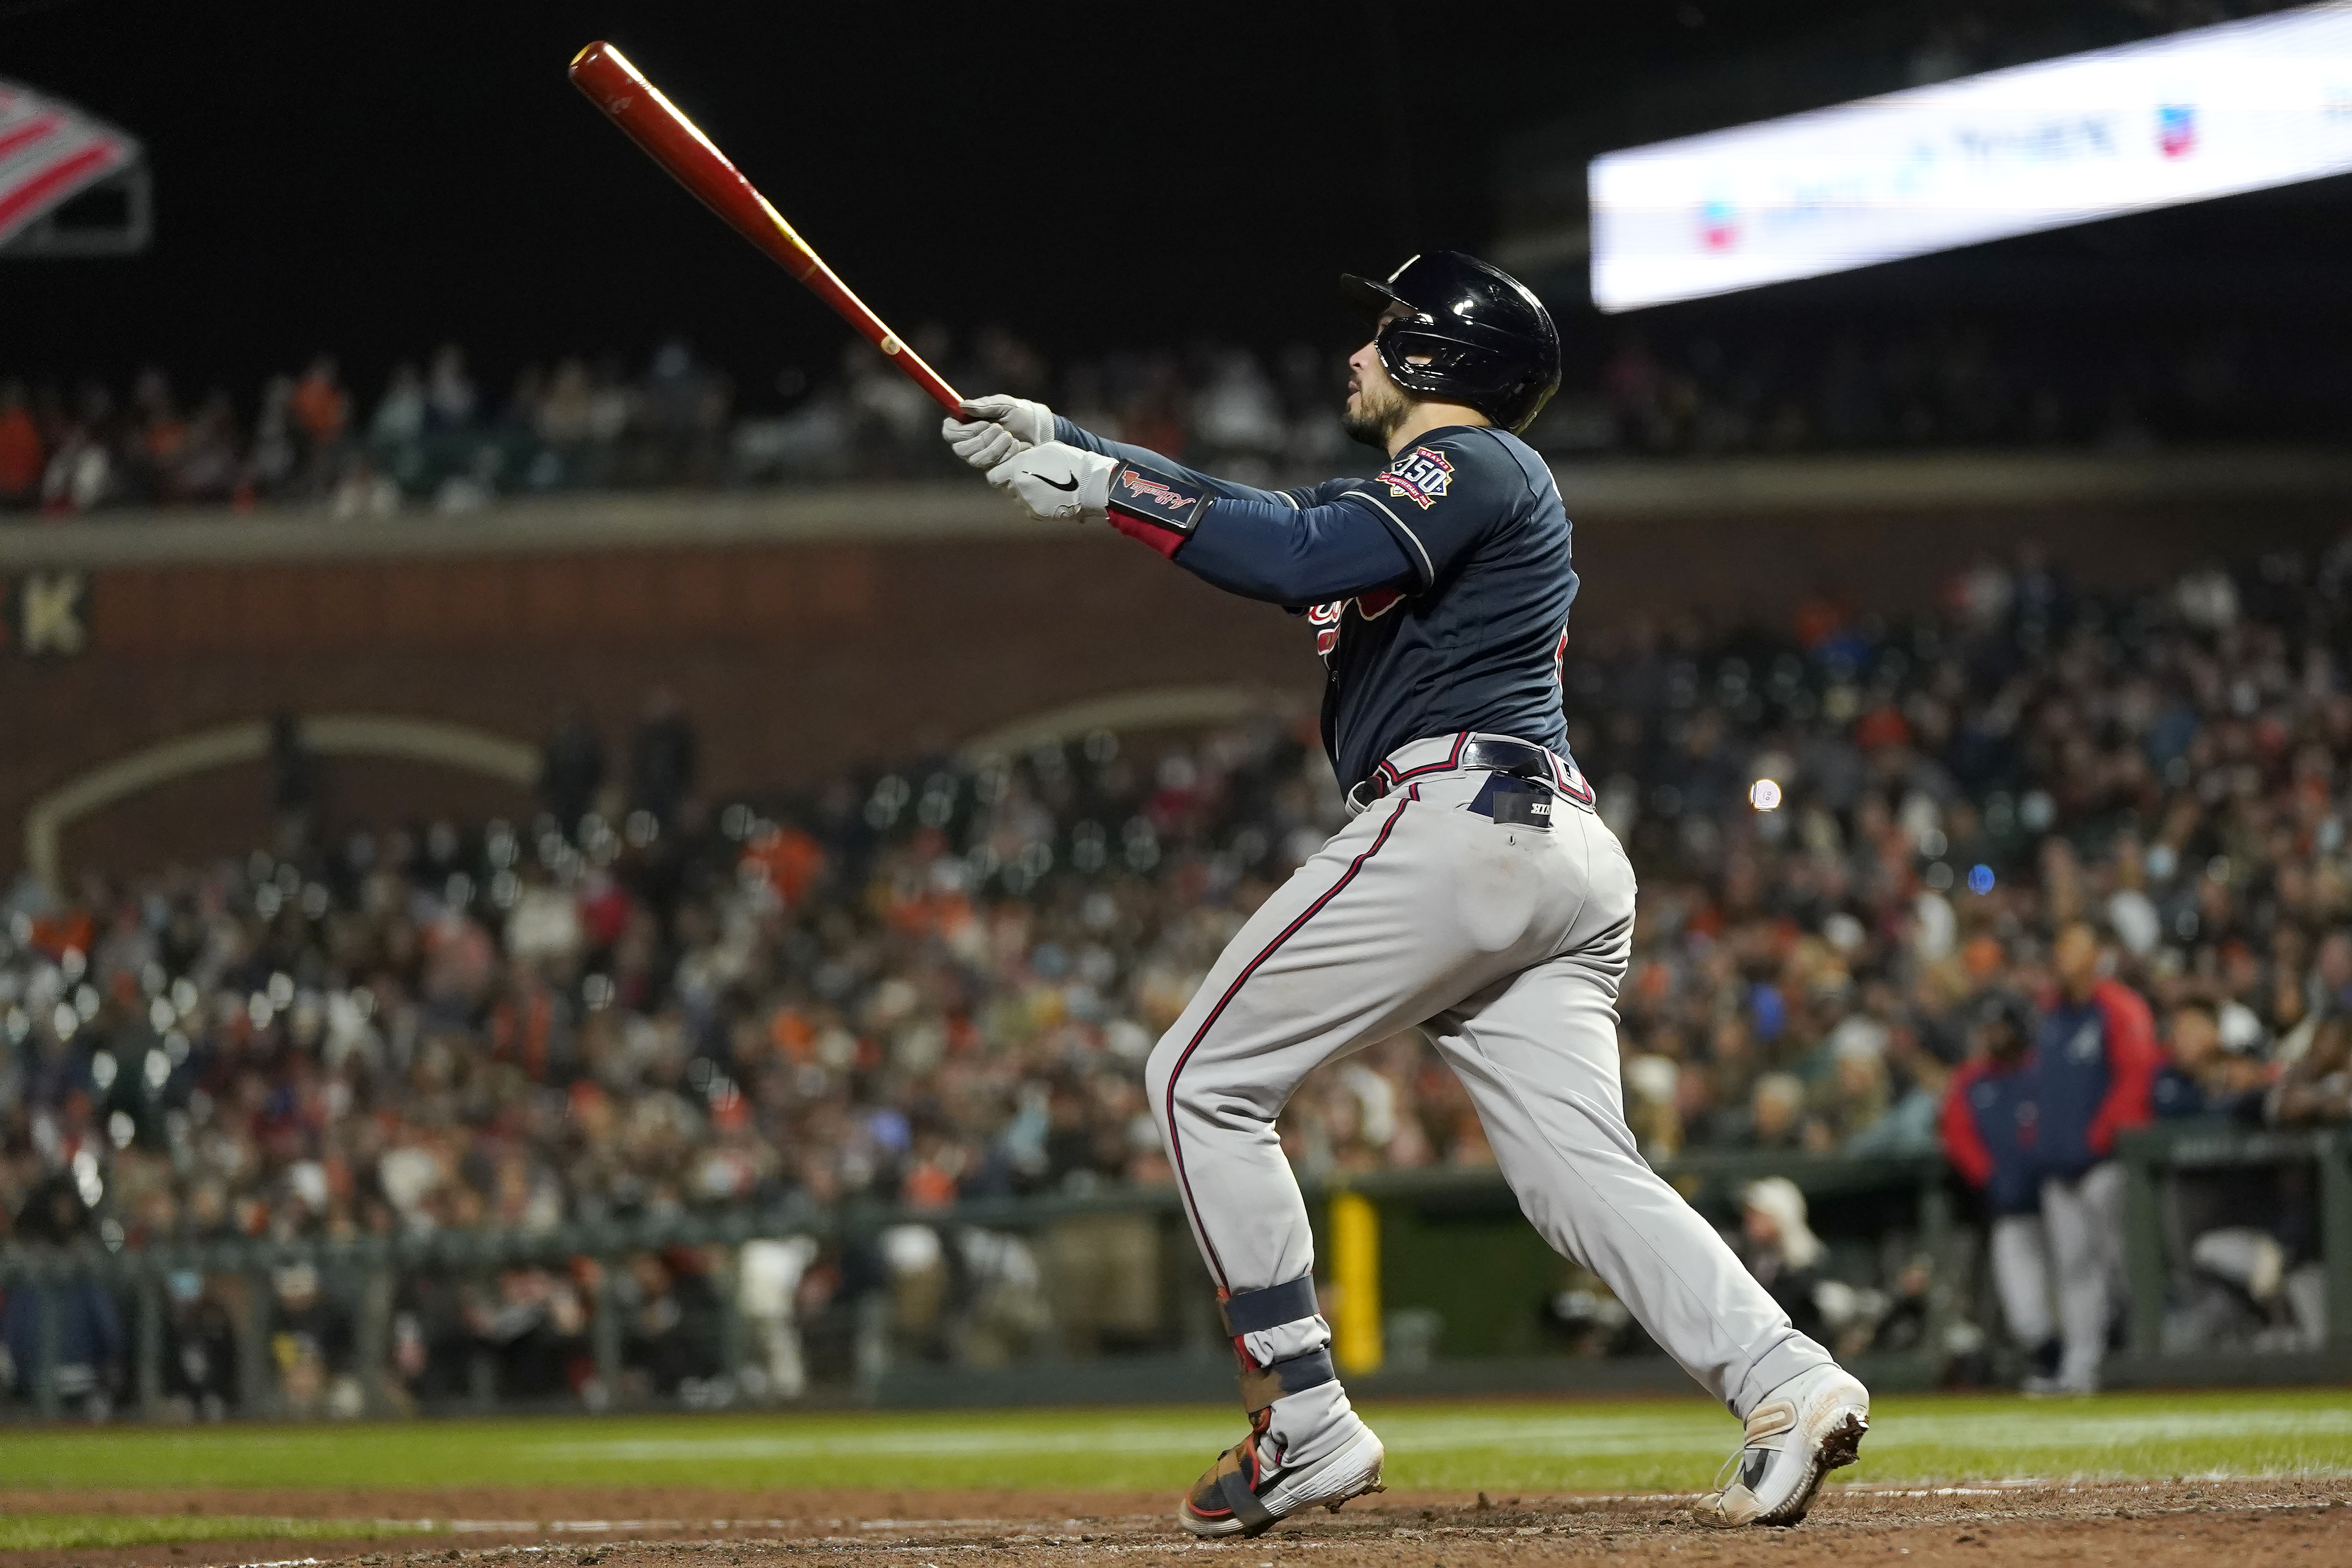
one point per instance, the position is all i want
(1426, 417)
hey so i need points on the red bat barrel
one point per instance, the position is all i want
(671, 140)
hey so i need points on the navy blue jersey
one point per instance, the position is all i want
(2096, 1064)
(1438, 589)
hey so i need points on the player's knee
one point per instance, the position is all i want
(1195, 1085)
(1183, 1081)
(1159, 1075)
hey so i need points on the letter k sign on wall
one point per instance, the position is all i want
(48, 614)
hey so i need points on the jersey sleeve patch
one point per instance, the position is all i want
(1443, 495)
(1420, 476)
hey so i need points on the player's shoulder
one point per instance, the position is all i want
(1474, 459)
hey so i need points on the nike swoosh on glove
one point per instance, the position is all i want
(995, 428)
(1057, 480)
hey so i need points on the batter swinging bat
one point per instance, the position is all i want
(670, 138)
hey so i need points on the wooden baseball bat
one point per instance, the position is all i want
(671, 140)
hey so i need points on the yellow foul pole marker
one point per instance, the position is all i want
(1355, 1222)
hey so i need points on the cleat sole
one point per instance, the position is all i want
(1838, 1446)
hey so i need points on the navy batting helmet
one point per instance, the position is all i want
(1473, 334)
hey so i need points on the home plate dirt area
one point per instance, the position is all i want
(2236, 1524)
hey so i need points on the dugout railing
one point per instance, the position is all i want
(2188, 1178)
(1434, 1282)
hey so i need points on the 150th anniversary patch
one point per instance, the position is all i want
(1420, 476)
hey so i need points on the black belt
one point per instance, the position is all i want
(1515, 758)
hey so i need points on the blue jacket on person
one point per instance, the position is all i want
(2094, 1066)
(1991, 1125)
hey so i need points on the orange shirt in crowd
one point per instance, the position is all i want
(163, 438)
(320, 408)
(789, 859)
(21, 457)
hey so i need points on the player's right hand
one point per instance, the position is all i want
(996, 428)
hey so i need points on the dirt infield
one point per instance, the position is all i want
(2240, 1524)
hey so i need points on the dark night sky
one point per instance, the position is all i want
(373, 179)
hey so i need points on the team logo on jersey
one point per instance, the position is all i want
(1326, 618)
(1420, 476)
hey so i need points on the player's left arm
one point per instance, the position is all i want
(999, 428)
(1399, 529)
(1285, 549)
(1076, 435)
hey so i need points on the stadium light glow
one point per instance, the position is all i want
(2213, 111)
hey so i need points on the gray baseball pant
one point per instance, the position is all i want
(1504, 945)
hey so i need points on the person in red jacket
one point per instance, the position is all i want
(2096, 1060)
(21, 457)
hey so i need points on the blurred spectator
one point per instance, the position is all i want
(1780, 1249)
(311, 1347)
(671, 1342)
(572, 769)
(400, 414)
(362, 493)
(663, 756)
(449, 396)
(321, 411)
(21, 454)
(297, 783)
(82, 472)
(209, 467)
(768, 1277)
(200, 1353)
(2316, 1088)
(1237, 420)
(536, 1330)
(75, 1314)
(1777, 1113)
(2206, 1074)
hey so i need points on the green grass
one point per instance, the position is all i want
(1535, 1445)
(62, 1532)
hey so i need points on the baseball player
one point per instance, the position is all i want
(1474, 894)
(2094, 1064)
(1990, 1124)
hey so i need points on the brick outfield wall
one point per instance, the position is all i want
(797, 659)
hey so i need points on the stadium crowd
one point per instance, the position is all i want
(434, 438)
(2082, 855)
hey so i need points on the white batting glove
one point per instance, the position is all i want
(1057, 480)
(998, 427)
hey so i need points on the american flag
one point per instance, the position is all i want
(49, 153)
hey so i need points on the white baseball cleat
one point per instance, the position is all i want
(1249, 1489)
(1805, 1428)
